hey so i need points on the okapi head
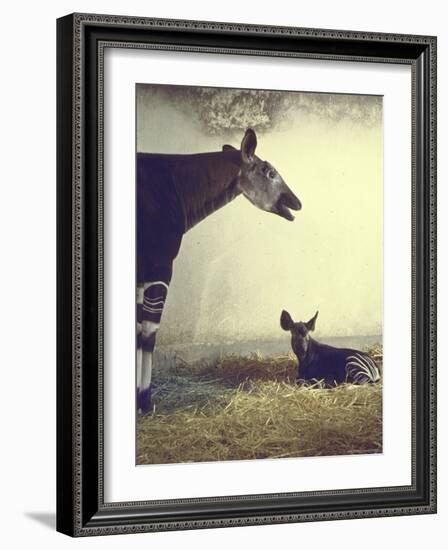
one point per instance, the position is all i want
(260, 182)
(300, 337)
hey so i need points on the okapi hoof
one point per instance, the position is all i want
(144, 405)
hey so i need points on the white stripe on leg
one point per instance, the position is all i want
(149, 329)
(146, 373)
(140, 292)
(155, 283)
(139, 367)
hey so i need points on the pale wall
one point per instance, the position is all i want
(240, 267)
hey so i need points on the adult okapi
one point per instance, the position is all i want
(328, 364)
(174, 193)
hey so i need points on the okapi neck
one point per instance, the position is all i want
(205, 183)
(310, 353)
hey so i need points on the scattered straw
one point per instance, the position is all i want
(240, 408)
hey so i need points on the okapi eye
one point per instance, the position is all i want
(271, 174)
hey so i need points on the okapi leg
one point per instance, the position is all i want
(139, 335)
(154, 297)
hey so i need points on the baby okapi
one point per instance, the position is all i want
(320, 362)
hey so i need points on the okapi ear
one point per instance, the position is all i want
(248, 145)
(311, 324)
(286, 321)
(229, 148)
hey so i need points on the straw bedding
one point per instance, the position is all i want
(242, 408)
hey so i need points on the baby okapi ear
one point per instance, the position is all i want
(286, 321)
(228, 148)
(248, 145)
(311, 324)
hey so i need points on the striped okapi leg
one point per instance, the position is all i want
(139, 336)
(361, 369)
(154, 296)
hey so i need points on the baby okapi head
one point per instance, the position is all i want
(300, 337)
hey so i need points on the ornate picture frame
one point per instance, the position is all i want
(81, 42)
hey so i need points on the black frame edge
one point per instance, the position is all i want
(65, 497)
(425, 271)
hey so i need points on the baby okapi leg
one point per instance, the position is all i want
(154, 297)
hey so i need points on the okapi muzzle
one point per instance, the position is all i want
(262, 185)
